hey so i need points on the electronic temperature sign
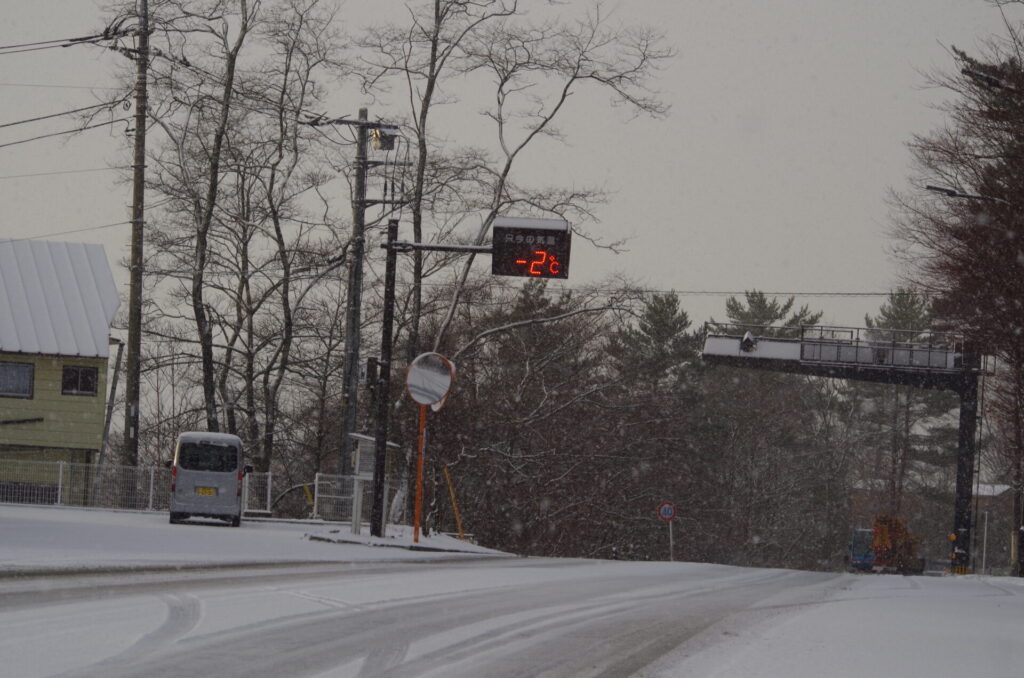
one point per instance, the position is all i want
(535, 248)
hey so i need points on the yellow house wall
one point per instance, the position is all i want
(70, 422)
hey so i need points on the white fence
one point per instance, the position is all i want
(147, 488)
(140, 488)
(338, 498)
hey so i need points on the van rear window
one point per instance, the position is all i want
(208, 457)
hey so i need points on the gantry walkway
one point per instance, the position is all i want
(927, 360)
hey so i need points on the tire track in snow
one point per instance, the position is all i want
(632, 640)
(609, 625)
(184, 611)
(383, 659)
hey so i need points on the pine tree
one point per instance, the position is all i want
(909, 434)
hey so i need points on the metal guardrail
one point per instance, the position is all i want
(139, 488)
(902, 349)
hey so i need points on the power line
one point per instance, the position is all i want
(555, 290)
(721, 293)
(105, 104)
(111, 32)
(68, 131)
(36, 49)
(48, 86)
(76, 230)
(56, 172)
(33, 44)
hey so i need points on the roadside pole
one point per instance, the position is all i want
(524, 247)
(427, 381)
(667, 512)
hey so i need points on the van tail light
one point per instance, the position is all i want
(240, 474)
(174, 477)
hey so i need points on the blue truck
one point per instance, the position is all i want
(860, 556)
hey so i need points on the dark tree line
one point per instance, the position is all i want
(564, 436)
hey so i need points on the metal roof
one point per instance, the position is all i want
(56, 298)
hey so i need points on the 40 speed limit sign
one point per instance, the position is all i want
(666, 510)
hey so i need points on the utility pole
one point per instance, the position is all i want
(131, 418)
(353, 305)
(384, 138)
(383, 386)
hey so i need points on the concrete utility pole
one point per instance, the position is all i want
(131, 418)
(383, 386)
(384, 139)
(353, 305)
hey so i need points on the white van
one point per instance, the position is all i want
(206, 477)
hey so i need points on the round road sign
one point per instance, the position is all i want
(666, 510)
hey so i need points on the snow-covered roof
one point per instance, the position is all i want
(56, 298)
(991, 489)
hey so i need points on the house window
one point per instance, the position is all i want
(16, 380)
(79, 380)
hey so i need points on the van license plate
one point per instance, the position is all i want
(207, 491)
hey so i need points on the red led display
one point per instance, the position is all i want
(543, 263)
(530, 252)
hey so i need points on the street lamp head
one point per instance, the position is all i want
(985, 79)
(383, 138)
(948, 192)
(953, 193)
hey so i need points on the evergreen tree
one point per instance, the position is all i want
(659, 345)
(773, 470)
(769, 317)
(908, 433)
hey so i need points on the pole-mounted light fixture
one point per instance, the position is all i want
(383, 138)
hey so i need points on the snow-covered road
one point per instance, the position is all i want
(513, 618)
(375, 612)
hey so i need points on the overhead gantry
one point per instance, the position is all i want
(921, 359)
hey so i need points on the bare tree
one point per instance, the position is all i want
(246, 235)
(452, 48)
(533, 71)
(421, 54)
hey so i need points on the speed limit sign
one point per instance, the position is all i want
(667, 511)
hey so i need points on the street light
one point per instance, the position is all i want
(953, 193)
(987, 80)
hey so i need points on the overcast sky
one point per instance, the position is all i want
(789, 124)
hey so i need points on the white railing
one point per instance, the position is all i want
(139, 488)
(339, 498)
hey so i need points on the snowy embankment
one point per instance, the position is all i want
(42, 538)
(884, 625)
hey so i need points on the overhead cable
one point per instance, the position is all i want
(77, 230)
(111, 32)
(49, 86)
(33, 44)
(56, 172)
(105, 104)
(68, 131)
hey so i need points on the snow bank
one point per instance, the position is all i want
(886, 625)
(59, 538)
